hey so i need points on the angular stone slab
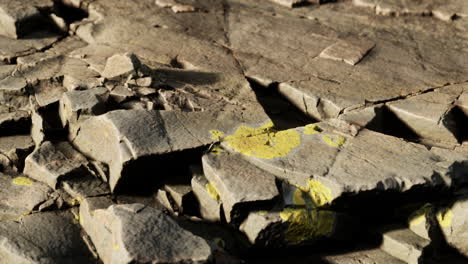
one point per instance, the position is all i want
(329, 161)
(18, 18)
(52, 162)
(238, 182)
(368, 256)
(404, 245)
(121, 64)
(50, 237)
(121, 136)
(431, 115)
(135, 232)
(48, 92)
(20, 195)
(350, 52)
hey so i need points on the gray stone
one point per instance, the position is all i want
(121, 64)
(328, 161)
(20, 195)
(48, 92)
(119, 137)
(52, 162)
(350, 52)
(368, 256)
(79, 105)
(238, 182)
(50, 237)
(181, 194)
(121, 93)
(137, 233)
(207, 196)
(85, 186)
(289, 3)
(404, 244)
(18, 19)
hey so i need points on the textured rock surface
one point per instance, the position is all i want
(134, 232)
(234, 131)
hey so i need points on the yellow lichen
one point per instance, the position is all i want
(262, 212)
(419, 216)
(263, 142)
(212, 191)
(219, 242)
(298, 197)
(217, 135)
(22, 181)
(216, 150)
(76, 201)
(334, 140)
(445, 218)
(312, 129)
(320, 194)
(307, 224)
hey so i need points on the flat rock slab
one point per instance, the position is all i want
(404, 245)
(207, 196)
(328, 160)
(370, 256)
(135, 232)
(50, 237)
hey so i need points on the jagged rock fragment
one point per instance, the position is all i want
(289, 3)
(369, 256)
(52, 162)
(121, 64)
(238, 182)
(405, 245)
(49, 237)
(137, 233)
(18, 18)
(48, 92)
(79, 105)
(207, 196)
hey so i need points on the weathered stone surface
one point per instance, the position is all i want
(121, 64)
(85, 186)
(20, 196)
(18, 19)
(79, 105)
(238, 182)
(119, 137)
(370, 256)
(289, 3)
(404, 245)
(50, 237)
(51, 162)
(207, 196)
(135, 232)
(48, 92)
(432, 115)
(444, 10)
(350, 52)
(329, 160)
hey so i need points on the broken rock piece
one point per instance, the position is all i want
(20, 195)
(238, 182)
(18, 18)
(289, 3)
(49, 237)
(405, 245)
(137, 233)
(121, 64)
(15, 149)
(207, 195)
(350, 52)
(51, 162)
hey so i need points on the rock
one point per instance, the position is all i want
(48, 92)
(350, 52)
(13, 85)
(183, 8)
(33, 42)
(85, 186)
(121, 93)
(432, 115)
(20, 195)
(121, 137)
(340, 163)
(18, 19)
(239, 183)
(15, 149)
(404, 245)
(121, 64)
(207, 196)
(289, 3)
(165, 3)
(50, 237)
(182, 196)
(368, 256)
(79, 105)
(53, 162)
(449, 222)
(134, 232)
(15, 122)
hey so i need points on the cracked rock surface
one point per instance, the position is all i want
(233, 131)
